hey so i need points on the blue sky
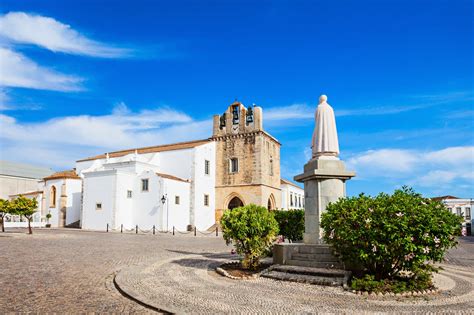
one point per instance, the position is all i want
(79, 78)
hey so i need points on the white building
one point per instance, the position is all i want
(182, 185)
(16, 178)
(461, 207)
(161, 186)
(292, 195)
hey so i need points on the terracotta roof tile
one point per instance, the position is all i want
(168, 176)
(28, 193)
(63, 174)
(153, 149)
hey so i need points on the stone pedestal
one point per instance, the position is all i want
(324, 182)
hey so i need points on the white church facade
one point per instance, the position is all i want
(182, 185)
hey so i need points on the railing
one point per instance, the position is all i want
(153, 230)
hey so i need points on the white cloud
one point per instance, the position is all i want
(437, 168)
(61, 141)
(295, 111)
(16, 70)
(53, 35)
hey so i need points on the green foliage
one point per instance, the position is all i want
(252, 229)
(390, 233)
(290, 223)
(418, 282)
(24, 207)
(48, 216)
(4, 206)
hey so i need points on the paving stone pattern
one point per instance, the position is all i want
(72, 271)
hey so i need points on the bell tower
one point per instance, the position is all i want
(247, 160)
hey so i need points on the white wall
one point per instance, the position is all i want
(54, 220)
(147, 209)
(73, 205)
(99, 187)
(204, 216)
(289, 190)
(178, 214)
(177, 162)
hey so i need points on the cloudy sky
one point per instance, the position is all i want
(79, 78)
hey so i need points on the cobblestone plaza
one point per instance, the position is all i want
(72, 271)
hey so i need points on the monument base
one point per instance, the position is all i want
(324, 182)
(308, 263)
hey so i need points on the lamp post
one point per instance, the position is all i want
(163, 200)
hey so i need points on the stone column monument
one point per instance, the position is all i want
(324, 180)
(324, 175)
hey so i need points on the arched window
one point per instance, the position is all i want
(52, 197)
(271, 202)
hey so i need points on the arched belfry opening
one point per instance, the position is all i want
(235, 203)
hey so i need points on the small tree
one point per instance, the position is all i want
(390, 233)
(252, 229)
(48, 217)
(26, 207)
(290, 223)
(4, 210)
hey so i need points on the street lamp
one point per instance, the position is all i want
(163, 200)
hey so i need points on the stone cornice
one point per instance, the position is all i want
(243, 135)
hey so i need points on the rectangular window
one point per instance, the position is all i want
(206, 200)
(145, 184)
(207, 167)
(468, 214)
(458, 211)
(98, 206)
(176, 200)
(129, 194)
(234, 165)
(291, 200)
(271, 167)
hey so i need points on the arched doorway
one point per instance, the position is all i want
(235, 203)
(271, 202)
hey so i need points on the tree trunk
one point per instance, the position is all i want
(30, 231)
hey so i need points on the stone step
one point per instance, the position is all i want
(321, 276)
(318, 257)
(315, 264)
(315, 249)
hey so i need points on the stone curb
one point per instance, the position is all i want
(402, 294)
(224, 272)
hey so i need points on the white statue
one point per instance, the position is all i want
(325, 143)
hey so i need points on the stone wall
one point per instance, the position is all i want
(258, 154)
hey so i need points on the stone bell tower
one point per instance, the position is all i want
(247, 160)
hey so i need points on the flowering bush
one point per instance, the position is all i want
(387, 234)
(252, 229)
(290, 223)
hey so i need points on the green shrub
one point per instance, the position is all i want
(252, 229)
(421, 281)
(290, 224)
(390, 233)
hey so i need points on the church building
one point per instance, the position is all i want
(181, 185)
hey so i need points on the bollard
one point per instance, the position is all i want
(217, 231)
(107, 227)
(194, 231)
(153, 230)
(121, 228)
(136, 229)
(173, 229)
